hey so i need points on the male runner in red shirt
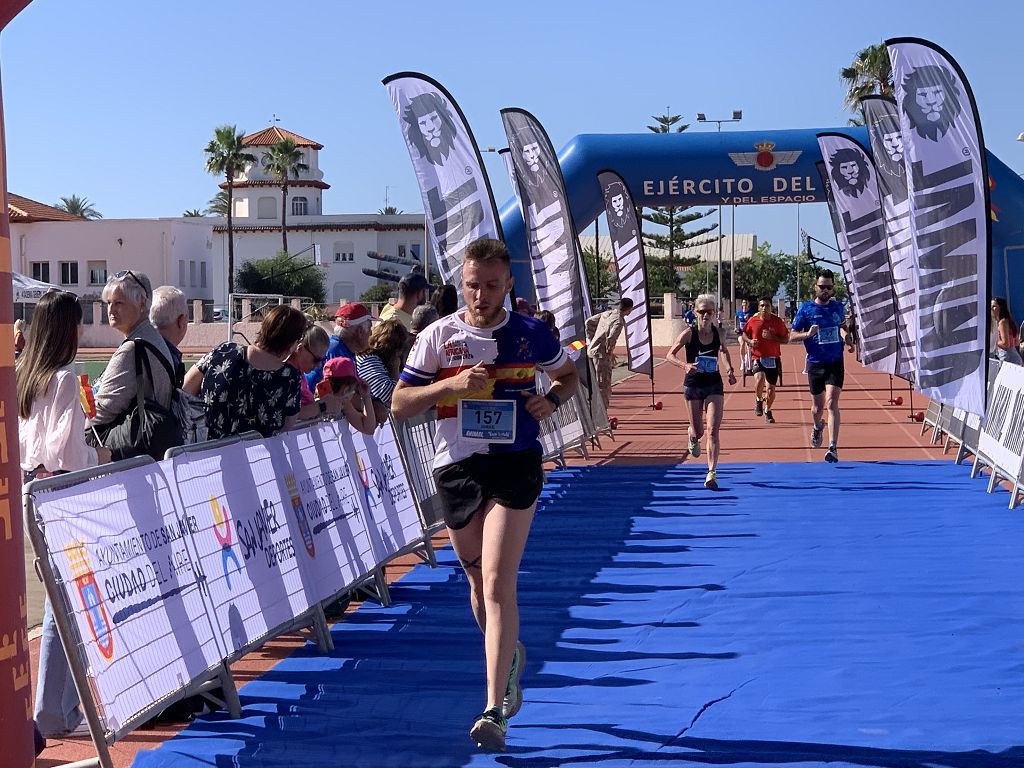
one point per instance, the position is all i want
(766, 332)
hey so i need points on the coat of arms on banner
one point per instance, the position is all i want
(766, 158)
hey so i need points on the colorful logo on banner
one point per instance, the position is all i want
(300, 514)
(92, 601)
(364, 478)
(222, 530)
(766, 158)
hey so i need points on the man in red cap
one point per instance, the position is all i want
(351, 337)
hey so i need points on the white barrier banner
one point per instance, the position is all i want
(123, 550)
(172, 567)
(384, 490)
(1002, 439)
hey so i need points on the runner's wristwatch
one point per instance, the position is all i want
(555, 399)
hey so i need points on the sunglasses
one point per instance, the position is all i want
(72, 294)
(704, 311)
(825, 287)
(128, 273)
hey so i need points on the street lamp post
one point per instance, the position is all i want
(737, 115)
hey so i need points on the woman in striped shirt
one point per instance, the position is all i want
(380, 365)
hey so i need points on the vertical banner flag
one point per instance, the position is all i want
(883, 123)
(550, 232)
(628, 249)
(457, 200)
(855, 193)
(844, 256)
(16, 685)
(949, 220)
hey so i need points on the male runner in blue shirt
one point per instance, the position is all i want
(818, 324)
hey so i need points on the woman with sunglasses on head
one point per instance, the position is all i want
(252, 387)
(51, 434)
(819, 324)
(127, 295)
(702, 385)
(307, 357)
(1006, 332)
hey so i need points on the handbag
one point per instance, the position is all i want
(147, 428)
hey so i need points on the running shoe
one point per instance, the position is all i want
(832, 455)
(816, 435)
(758, 407)
(513, 691)
(489, 730)
(694, 448)
(768, 417)
(711, 481)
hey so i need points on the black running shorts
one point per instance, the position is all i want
(819, 375)
(770, 374)
(512, 479)
(698, 392)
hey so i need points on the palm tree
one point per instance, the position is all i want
(190, 214)
(869, 74)
(218, 205)
(284, 158)
(226, 156)
(389, 210)
(78, 206)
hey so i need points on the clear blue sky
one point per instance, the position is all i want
(116, 100)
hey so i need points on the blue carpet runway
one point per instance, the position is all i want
(806, 614)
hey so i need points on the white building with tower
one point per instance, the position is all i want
(191, 252)
(348, 243)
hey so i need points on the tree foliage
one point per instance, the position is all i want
(79, 206)
(870, 73)
(285, 275)
(377, 294)
(218, 204)
(602, 281)
(192, 213)
(674, 217)
(283, 161)
(226, 156)
(389, 210)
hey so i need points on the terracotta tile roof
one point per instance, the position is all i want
(273, 134)
(292, 183)
(335, 227)
(23, 210)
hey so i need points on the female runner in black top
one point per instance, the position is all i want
(702, 385)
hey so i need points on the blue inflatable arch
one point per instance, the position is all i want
(744, 168)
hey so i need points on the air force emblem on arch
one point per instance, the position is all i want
(766, 158)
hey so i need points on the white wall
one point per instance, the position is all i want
(264, 244)
(152, 246)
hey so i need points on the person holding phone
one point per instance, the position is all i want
(702, 385)
(819, 325)
(478, 367)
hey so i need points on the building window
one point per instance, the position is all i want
(241, 207)
(401, 250)
(192, 274)
(41, 271)
(344, 252)
(299, 206)
(181, 274)
(202, 274)
(97, 273)
(69, 273)
(266, 208)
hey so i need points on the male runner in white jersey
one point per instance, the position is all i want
(478, 367)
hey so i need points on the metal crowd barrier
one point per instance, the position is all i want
(217, 677)
(103, 733)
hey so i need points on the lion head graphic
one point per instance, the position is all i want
(849, 171)
(931, 100)
(431, 126)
